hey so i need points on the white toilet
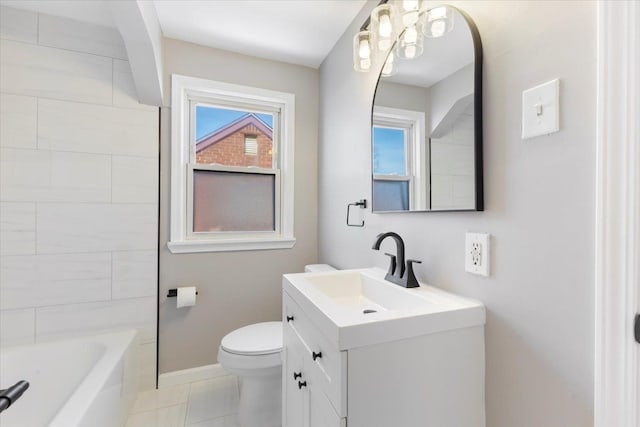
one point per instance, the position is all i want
(253, 353)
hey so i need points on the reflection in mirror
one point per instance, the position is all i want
(427, 127)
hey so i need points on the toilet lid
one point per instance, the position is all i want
(261, 338)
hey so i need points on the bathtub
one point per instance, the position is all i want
(90, 381)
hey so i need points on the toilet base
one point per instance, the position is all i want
(261, 400)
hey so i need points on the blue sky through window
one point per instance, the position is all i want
(388, 151)
(210, 119)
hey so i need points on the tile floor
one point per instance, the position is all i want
(208, 403)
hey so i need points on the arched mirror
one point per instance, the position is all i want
(427, 126)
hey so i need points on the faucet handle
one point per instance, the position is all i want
(392, 264)
(412, 282)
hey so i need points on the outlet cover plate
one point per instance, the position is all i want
(477, 253)
(540, 110)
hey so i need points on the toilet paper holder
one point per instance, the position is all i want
(174, 293)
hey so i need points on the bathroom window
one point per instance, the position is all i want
(397, 153)
(232, 167)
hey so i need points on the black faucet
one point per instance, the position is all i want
(396, 273)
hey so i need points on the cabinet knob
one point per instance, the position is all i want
(289, 318)
(297, 375)
(302, 384)
(317, 355)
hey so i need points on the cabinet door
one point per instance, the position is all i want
(295, 402)
(321, 413)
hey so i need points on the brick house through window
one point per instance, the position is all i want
(247, 141)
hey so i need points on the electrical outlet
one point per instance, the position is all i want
(477, 250)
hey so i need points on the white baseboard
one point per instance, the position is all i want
(186, 376)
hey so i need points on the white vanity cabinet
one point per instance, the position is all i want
(365, 372)
(312, 371)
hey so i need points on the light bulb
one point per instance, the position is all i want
(364, 51)
(410, 51)
(410, 18)
(438, 13)
(384, 44)
(409, 5)
(411, 43)
(390, 58)
(437, 28)
(440, 20)
(410, 12)
(387, 69)
(385, 26)
(410, 35)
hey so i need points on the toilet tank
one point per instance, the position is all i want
(317, 268)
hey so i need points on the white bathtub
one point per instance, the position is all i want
(91, 381)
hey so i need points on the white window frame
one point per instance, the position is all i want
(182, 239)
(415, 151)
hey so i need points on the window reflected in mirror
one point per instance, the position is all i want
(427, 126)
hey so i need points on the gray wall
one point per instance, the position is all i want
(235, 288)
(406, 97)
(539, 198)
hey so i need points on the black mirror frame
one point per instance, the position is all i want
(478, 119)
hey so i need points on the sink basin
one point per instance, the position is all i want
(357, 291)
(358, 307)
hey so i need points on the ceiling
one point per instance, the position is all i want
(295, 31)
(442, 57)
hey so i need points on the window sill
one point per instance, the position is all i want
(194, 246)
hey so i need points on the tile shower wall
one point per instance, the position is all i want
(452, 158)
(78, 186)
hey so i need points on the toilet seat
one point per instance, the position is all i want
(254, 340)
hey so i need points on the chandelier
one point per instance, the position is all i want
(397, 30)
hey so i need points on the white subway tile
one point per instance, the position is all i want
(70, 126)
(134, 274)
(96, 227)
(463, 130)
(64, 33)
(88, 318)
(463, 191)
(441, 191)
(441, 156)
(135, 180)
(50, 176)
(124, 88)
(46, 72)
(23, 172)
(18, 121)
(17, 327)
(17, 228)
(451, 159)
(41, 280)
(18, 24)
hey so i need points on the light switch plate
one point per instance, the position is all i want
(540, 110)
(477, 251)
